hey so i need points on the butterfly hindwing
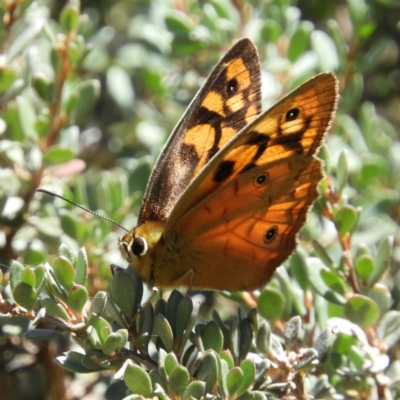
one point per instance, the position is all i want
(229, 100)
(240, 234)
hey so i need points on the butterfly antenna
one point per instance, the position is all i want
(81, 207)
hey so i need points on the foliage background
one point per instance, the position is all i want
(88, 124)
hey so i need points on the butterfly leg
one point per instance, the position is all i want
(149, 300)
(143, 306)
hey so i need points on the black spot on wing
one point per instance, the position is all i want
(224, 171)
(232, 87)
(292, 114)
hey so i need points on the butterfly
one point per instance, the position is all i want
(232, 187)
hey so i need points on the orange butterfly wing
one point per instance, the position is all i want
(248, 227)
(226, 233)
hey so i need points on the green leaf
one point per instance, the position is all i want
(77, 298)
(170, 363)
(300, 41)
(16, 270)
(346, 219)
(69, 18)
(342, 171)
(82, 100)
(298, 267)
(226, 355)
(381, 295)
(179, 380)
(173, 302)
(364, 266)
(54, 309)
(112, 342)
(246, 338)
(212, 337)
(334, 282)
(157, 379)
(81, 267)
(57, 155)
(315, 268)
(388, 331)
(322, 254)
(98, 329)
(208, 370)
(382, 260)
(234, 338)
(271, 304)
(163, 329)
(64, 272)
(270, 31)
(162, 356)
(222, 378)
(28, 276)
(362, 311)
(234, 380)
(263, 340)
(249, 373)
(195, 390)
(66, 252)
(292, 330)
(123, 292)
(179, 23)
(25, 295)
(40, 275)
(185, 319)
(322, 343)
(44, 86)
(98, 303)
(7, 78)
(73, 362)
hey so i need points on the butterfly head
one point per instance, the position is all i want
(137, 247)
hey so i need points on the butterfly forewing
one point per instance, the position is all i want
(228, 101)
(294, 125)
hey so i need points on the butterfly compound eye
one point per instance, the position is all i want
(271, 234)
(292, 114)
(139, 246)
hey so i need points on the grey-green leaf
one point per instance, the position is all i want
(138, 380)
(179, 380)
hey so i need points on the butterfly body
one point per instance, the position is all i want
(232, 188)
